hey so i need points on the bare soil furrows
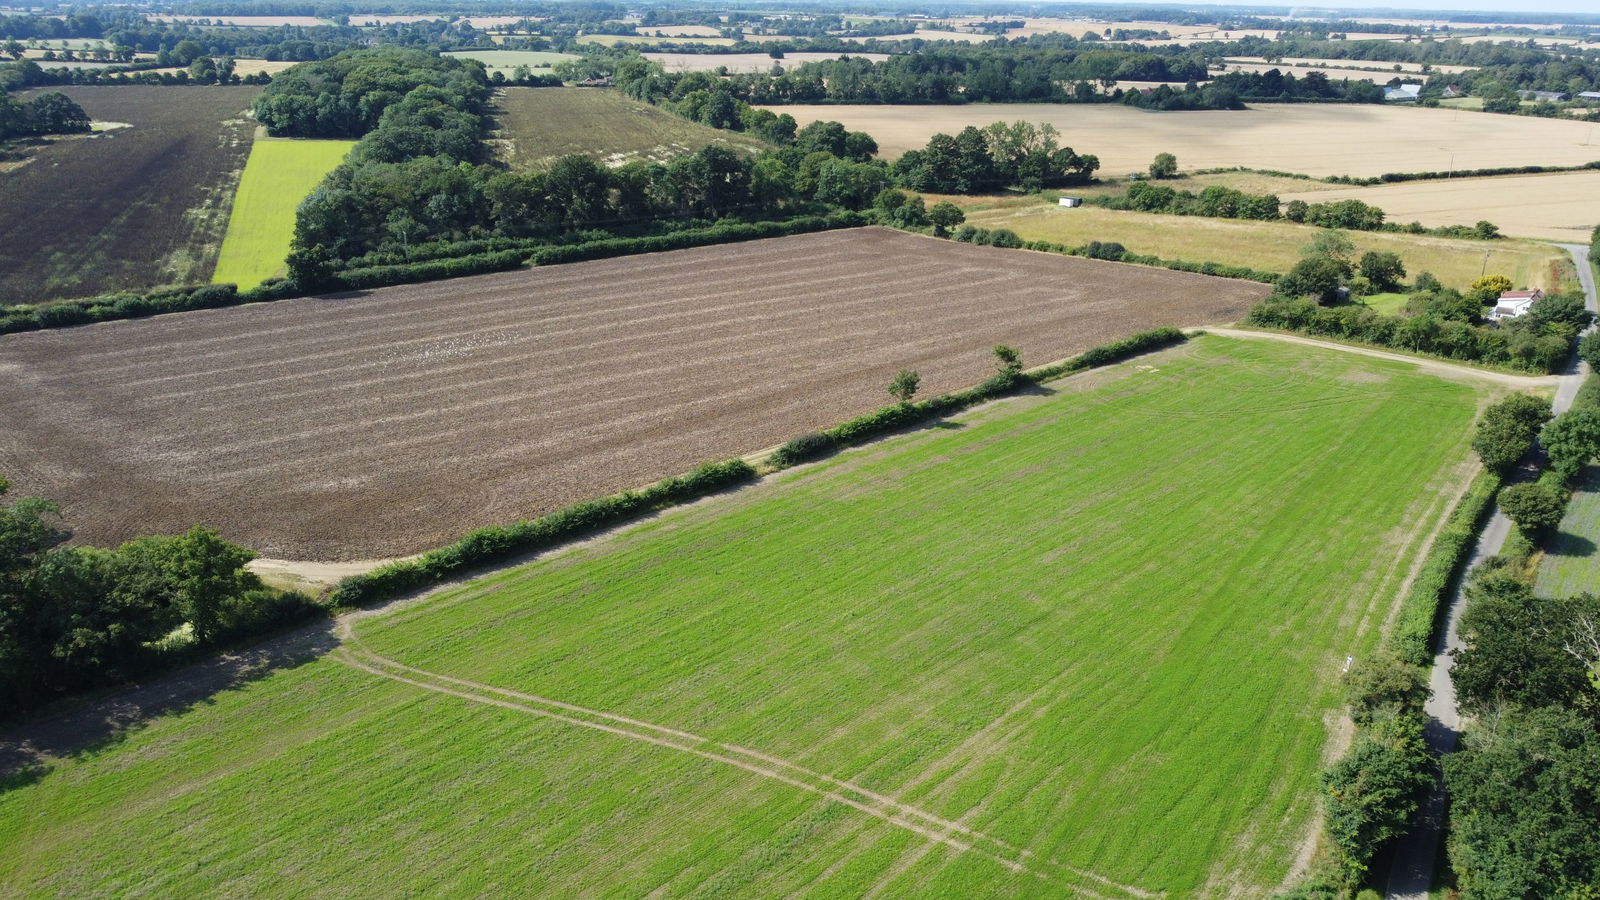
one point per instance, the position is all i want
(129, 207)
(385, 422)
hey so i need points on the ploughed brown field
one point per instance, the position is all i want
(387, 422)
(144, 202)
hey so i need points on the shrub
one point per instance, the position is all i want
(802, 449)
(1507, 430)
(1370, 795)
(1108, 250)
(1534, 507)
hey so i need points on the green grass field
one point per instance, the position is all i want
(537, 125)
(1269, 246)
(1083, 643)
(278, 175)
(1570, 564)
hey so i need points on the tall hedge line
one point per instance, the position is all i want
(433, 270)
(500, 542)
(134, 305)
(679, 240)
(1412, 639)
(904, 415)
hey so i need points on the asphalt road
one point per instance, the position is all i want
(1418, 852)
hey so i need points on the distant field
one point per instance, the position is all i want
(1270, 246)
(1308, 138)
(1564, 206)
(746, 62)
(277, 178)
(1083, 644)
(539, 124)
(1391, 69)
(249, 21)
(243, 67)
(130, 207)
(1336, 72)
(393, 420)
(616, 39)
(506, 60)
(1572, 564)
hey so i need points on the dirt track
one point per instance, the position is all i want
(383, 423)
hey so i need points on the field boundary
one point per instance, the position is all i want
(1435, 364)
(487, 547)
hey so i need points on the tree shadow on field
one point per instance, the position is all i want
(1565, 543)
(83, 727)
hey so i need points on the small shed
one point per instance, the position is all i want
(1071, 201)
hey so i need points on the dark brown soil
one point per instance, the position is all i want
(129, 207)
(387, 422)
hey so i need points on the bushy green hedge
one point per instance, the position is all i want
(1537, 353)
(122, 305)
(804, 448)
(904, 415)
(679, 240)
(1393, 177)
(1419, 611)
(501, 542)
(384, 276)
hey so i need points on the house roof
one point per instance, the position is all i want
(1512, 296)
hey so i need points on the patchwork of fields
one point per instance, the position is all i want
(383, 423)
(1269, 246)
(1309, 138)
(1083, 643)
(131, 207)
(537, 125)
(277, 178)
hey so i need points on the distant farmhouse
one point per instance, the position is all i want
(1515, 303)
(1552, 96)
(1402, 93)
(1451, 92)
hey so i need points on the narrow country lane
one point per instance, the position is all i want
(1418, 852)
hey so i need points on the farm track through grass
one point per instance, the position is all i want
(1098, 628)
(276, 179)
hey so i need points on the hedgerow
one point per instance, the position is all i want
(1412, 639)
(500, 542)
(679, 240)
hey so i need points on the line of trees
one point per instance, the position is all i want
(73, 618)
(1437, 320)
(51, 113)
(1525, 803)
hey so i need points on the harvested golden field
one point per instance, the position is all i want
(1375, 74)
(1270, 246)
(537, 125)
(745, 62)
(1295, 63)
(1562, 206)
(1310, 138)
(386, 422)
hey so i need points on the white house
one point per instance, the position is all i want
(1515, 303)
(1071, 201)
(1401, 93)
